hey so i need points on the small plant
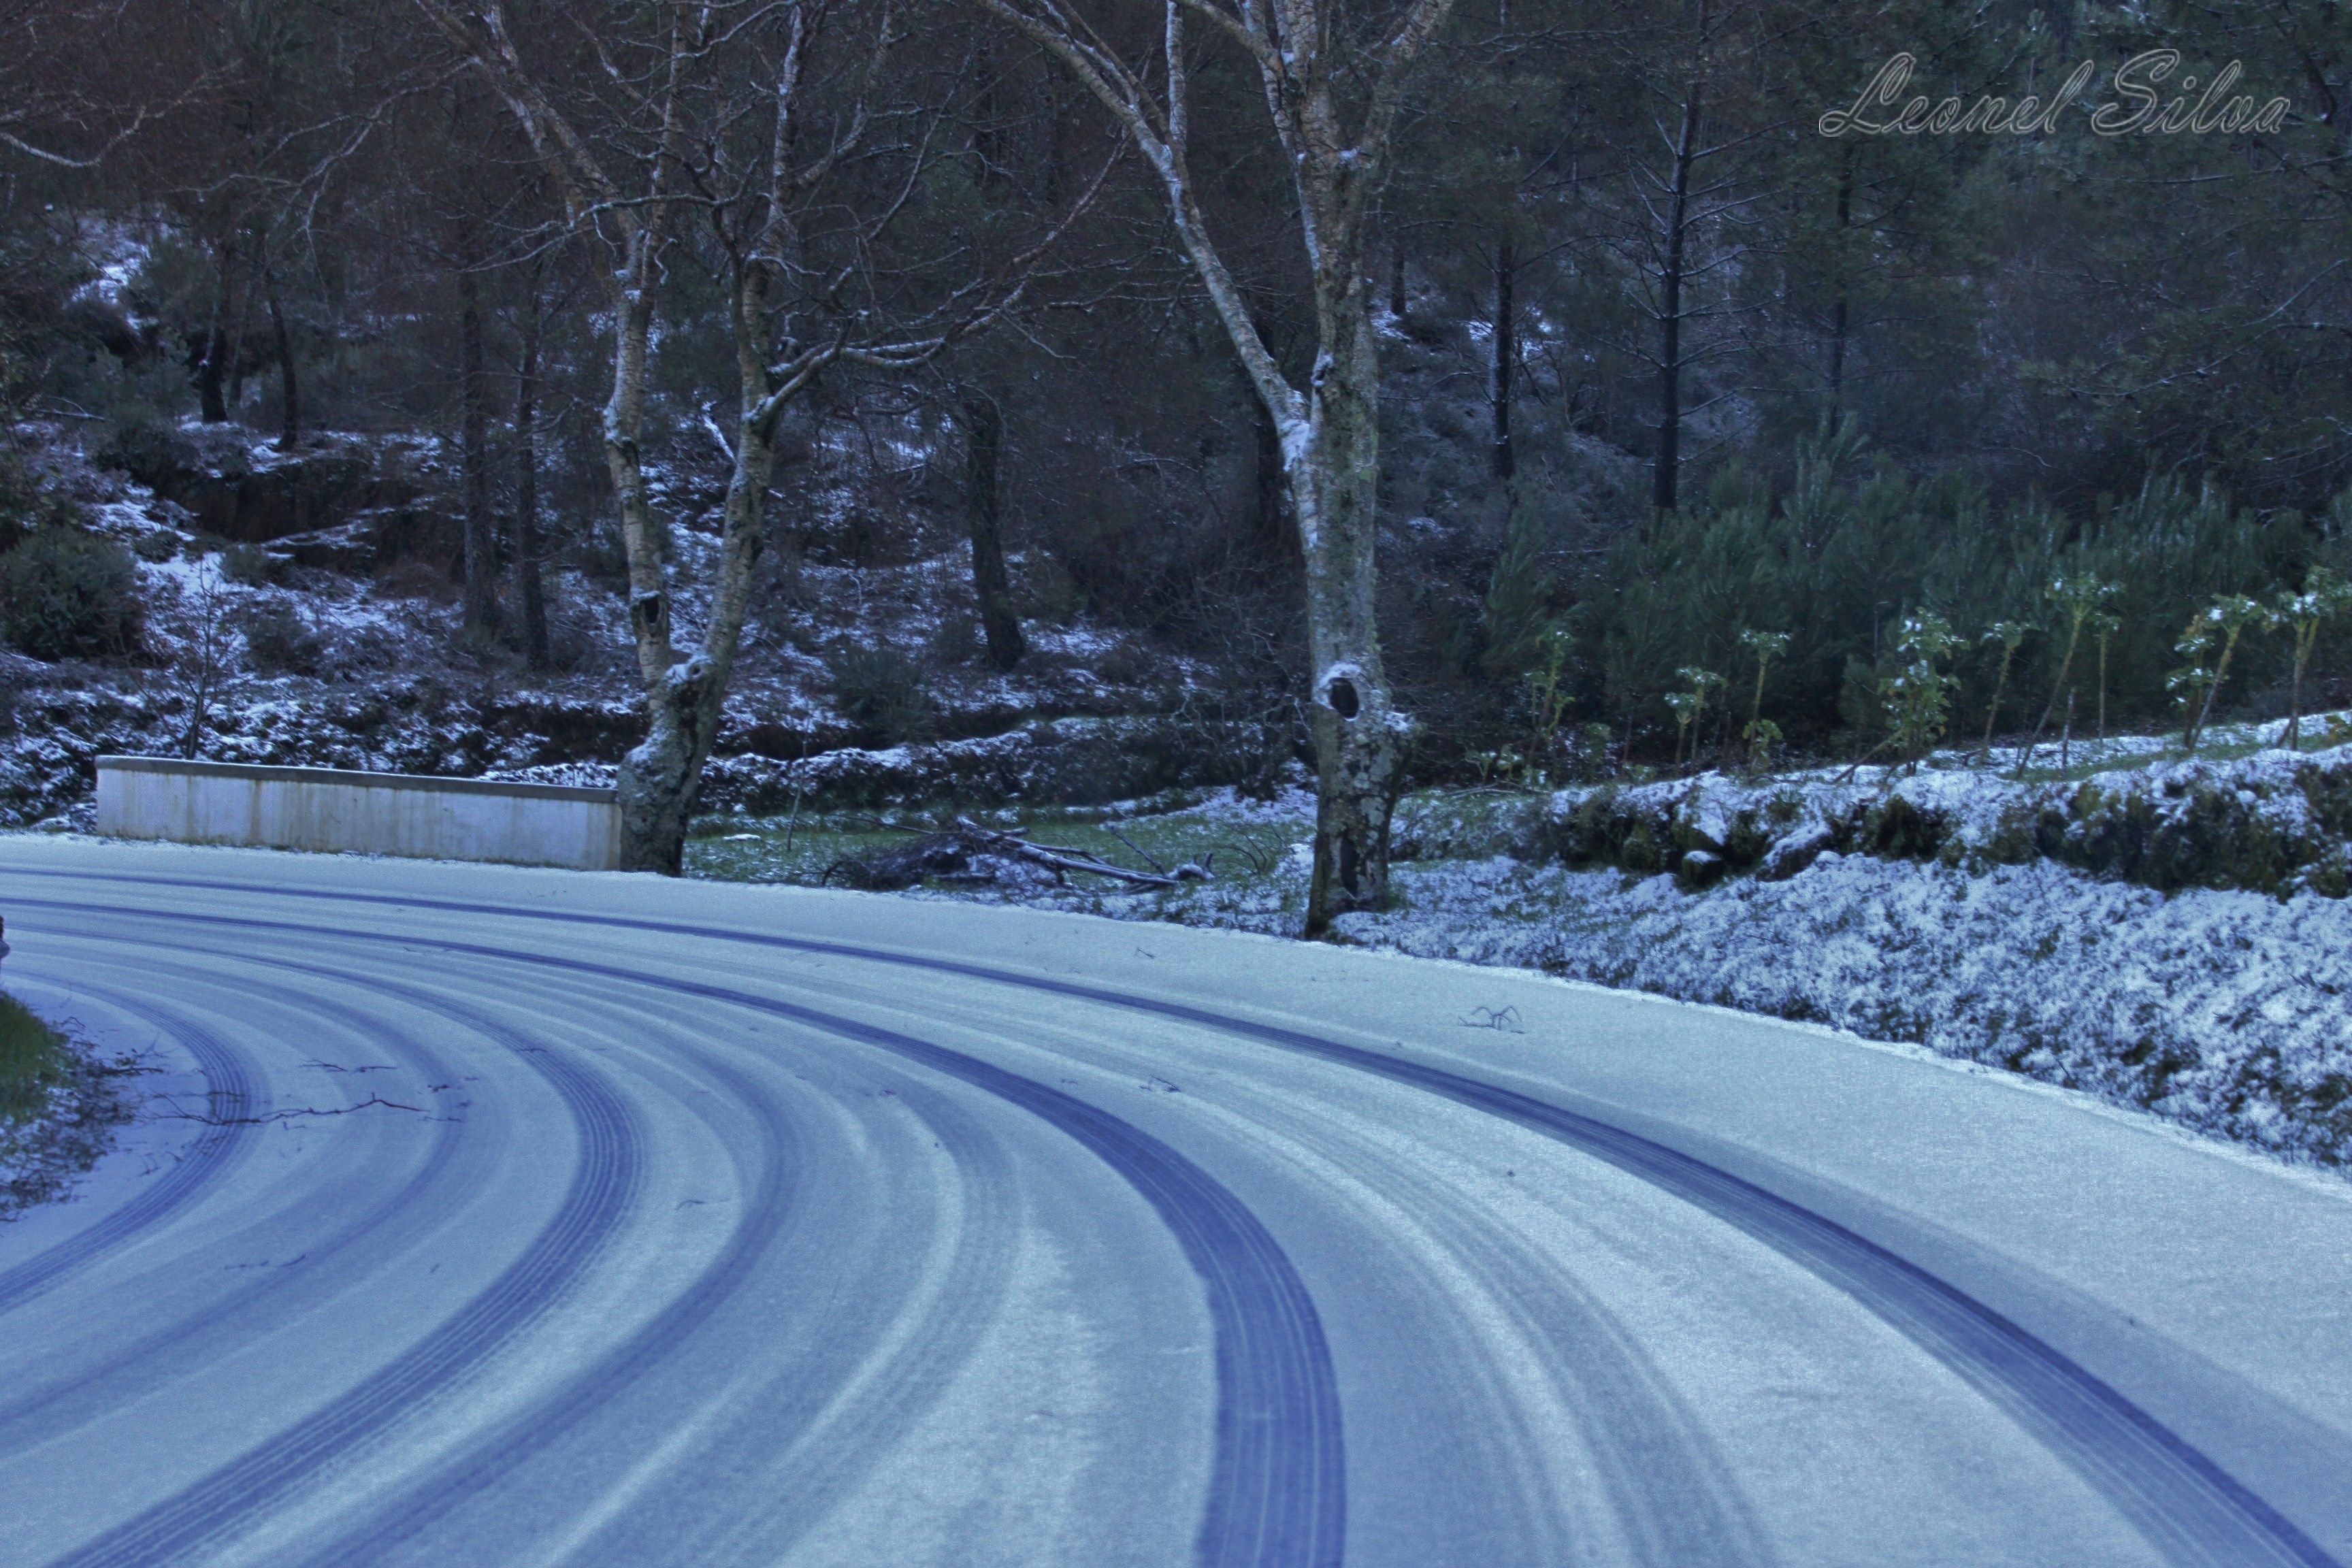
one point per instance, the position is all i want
(202, 670)
(2012, 635)
(1690, 708)
(1918, 695)
(2193, 679)
(1593, 744)
(1761, 734)
(2228, 618)
(247, 564)
(881, 691)
(1548, 696)
(2324, 597)
(278, 640)
(1683, 706)
(1504, 766)
(2081, 599)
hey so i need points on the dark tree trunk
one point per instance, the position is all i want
(211, 371)
(1396, 279)
(1838, 307)
(1663, 492)
(985, 441)
(526, 539)
(1506, 353)
(289, 425)
(237, 315)
(473, 436)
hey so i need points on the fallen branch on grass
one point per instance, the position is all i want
(1063, 859)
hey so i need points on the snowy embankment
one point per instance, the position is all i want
(2273, 821)
(2224, 1010)
(2010, 924)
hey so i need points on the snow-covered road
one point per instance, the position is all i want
(508, 1217)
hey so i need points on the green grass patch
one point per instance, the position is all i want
(781, 850)
(32, 1062)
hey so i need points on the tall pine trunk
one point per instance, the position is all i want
(1665, 489)
(984, 442)
(1838, 308)
(1506, 353)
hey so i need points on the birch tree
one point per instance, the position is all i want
(1333, 85)
(726, 132)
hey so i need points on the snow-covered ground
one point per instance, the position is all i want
(2221, 1008)
(2224, 1010)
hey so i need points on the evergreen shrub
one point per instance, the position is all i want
(65, 594)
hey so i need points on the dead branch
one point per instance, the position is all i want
(1020, 848)
(1147, 857)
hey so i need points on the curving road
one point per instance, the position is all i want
(495, 1217)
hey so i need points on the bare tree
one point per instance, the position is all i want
(1695, 149)
(1309, 59)
(732, 113)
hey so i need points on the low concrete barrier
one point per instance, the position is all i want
(334, 810)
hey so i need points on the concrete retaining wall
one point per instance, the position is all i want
(332, 810)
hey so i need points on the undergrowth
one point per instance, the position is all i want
(59, 1106)
(33, 1064)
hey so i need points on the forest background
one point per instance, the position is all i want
(1700, 428)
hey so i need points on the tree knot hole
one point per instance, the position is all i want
(1342, 695)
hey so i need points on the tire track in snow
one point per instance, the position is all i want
(228, 1094)
(607, 1174)
(1277, 1495)
(2183, 1502)
(146, 1362)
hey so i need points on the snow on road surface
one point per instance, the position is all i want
(501, 1216)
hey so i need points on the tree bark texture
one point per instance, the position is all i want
(658, 776)
(1275, 535)
(526, 540)
(289, 425)
(685, 688)
(984, 442)
(473, 443)
(212, 370)
(1334, 471)
(1329, 432)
